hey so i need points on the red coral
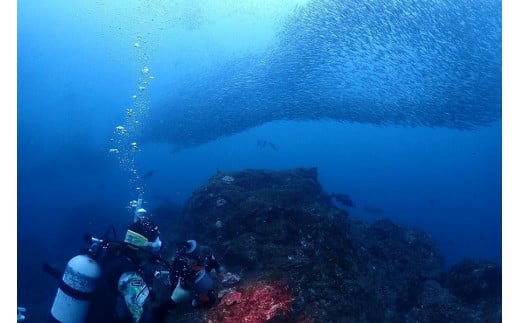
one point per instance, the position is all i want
(232, 297)
(257, 302)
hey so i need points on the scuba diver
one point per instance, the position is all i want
(121, 281)
(112, 281)
(190, 278)
(137, 273)
(190, 271)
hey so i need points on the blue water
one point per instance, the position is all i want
(427, 152)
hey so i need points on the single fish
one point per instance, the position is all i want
(343, 199)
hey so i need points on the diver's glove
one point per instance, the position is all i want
(155, 246)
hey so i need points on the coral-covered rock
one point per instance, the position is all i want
(280, 226)
(472, 280)
(437, 304)
(257, 302)
(229, 279)
(231, 298)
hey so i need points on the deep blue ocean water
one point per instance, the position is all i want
(397, 104)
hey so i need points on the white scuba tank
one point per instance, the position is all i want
(180, 294)
(76, 289)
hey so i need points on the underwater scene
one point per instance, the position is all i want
(259, 161)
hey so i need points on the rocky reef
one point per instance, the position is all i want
(300, 258)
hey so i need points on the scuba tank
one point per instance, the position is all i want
(77, 285)
(81, 295)
(76, 290)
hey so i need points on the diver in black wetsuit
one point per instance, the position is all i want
(129, 270)
(189, 275)
(190, 270)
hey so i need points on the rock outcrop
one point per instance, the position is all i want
(303, 259)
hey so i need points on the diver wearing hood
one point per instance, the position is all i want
(136, 277)
(190, 272)
(143, 232)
